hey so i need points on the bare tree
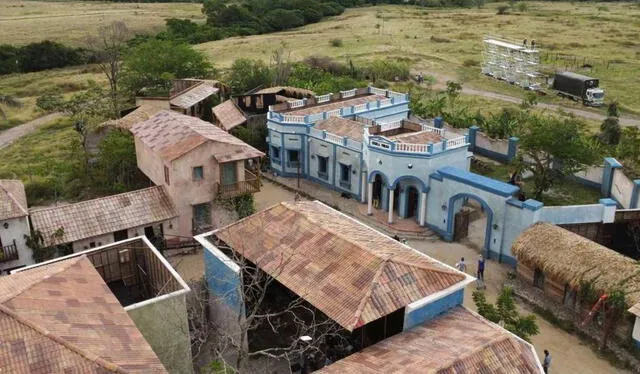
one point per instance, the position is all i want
(275, 324)
(109, 46)
(280, 64)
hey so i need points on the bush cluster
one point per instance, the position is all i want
(40, 56)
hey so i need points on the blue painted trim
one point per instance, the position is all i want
(515, 202)
(532, 205)
(410, 178)
(496, 156)
(372, 177)
(613, 162)
(436, 176)
(443, 234)
(608, 202)
(473, 131)
(634, 194)
(433, 309)
(438, 122)
(485, 206)
(513, 147)
(335, 164)
(479, 181)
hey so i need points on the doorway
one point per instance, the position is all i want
(413, 199)
(471, 218)
(377, 192)
(120, 235)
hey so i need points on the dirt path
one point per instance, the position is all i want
(9, 136)
(441, 78)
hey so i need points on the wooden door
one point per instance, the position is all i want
(461, 224)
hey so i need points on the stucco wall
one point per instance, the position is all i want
(592, 175)
(164, 325)
(18, 228)
(572, 213)
(495, 145)
(636, 331)
(621, 188)
(431, 310)
(100, 240)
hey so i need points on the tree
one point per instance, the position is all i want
(530, 100)
(41, 252)
(117, 168)
(108, 47)
(554, 148)
(280, 65)
(453, 92)
(151, 66)
(505, 313)
(9, 101)
(610, 131)
(246, 75)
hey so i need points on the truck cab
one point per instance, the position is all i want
(594, 97)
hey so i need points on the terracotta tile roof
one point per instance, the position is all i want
(352, 273)
(193, 95)
(336, 105)
(173, 135)
(142, 113)
(422, 137)
(13, 200)
(90, 218)
(456, 342)
(229, 115)
(62, 318)
(343, 127)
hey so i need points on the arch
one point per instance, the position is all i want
(487, 209)
(412, 178)
(412, 202)
(372, 177)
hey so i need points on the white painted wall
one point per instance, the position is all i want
(100, 240)
(593, 174)
(496, 145)
(16, 230)
(621, 188)
(636, 330)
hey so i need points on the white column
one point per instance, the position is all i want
(423, 207)
(391, 193)
(363, 198)
(370, 198)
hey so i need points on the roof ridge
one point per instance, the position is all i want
(367, 296)
(95, 199)
(500, 338)
(72, 261)
(435, 269)
(23, 209)
(59, 340)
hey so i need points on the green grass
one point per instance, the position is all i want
(565, 192)
(441, 40)
(44, 160)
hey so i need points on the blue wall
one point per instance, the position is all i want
(433, 309)
(223, 282)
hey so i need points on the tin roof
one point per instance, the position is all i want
(173, 135)
(351, 272)
(458, 341)
(193, 95)
(141, 113)
(229, 115)
(343, 127)
(13, 200)
(105, 215)
(62, 318)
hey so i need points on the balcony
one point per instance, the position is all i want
(9, 252)
(250, 184)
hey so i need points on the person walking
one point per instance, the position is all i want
(547, 361)
(480, 273)
(462, 266)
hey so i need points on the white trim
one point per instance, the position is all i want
(156, 299)
(216, 252)
(439, 295)
(150, 246)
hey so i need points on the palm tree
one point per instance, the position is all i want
(9, 101)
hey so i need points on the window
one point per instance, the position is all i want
(166, 175)
(294, 158)
(92, 245)
(569, 295)
(201, 216)
(198, 173)
(275, 155)
(345, 176)
(538, 279)
(229, 173)
(323, 166)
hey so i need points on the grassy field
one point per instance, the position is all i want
(606, 35)
(23, 22)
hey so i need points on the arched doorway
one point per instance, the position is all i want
(377, 191)
(456, 214)
(413, 199)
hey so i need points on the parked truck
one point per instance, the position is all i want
(579, 87)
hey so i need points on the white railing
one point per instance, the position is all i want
(360, 107)
(296, 104)
(379, 144)
(333, 138)
(315, 117)
(385, 102)
(390, 126)
(333, 113)
(457, 142)
(349, 93)
(433, 129)
(396, 94)
(288, 118)
(411, 148)
(323, 98)
(377, 91)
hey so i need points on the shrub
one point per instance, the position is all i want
(470, 62)
(522, 7)
(336, 42)
(438, 39)
(503, 9)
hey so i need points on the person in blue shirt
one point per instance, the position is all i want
(547, 361)
(480, 273)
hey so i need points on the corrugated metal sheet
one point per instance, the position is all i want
(193, 95)
(229, 115)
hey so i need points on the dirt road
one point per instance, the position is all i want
(440, 84)
(9, 136)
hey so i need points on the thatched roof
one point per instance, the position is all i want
(571, 258)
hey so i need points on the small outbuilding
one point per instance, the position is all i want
(562, 263)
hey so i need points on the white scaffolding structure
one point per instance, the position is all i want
(516, 63)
